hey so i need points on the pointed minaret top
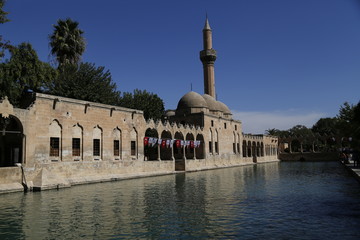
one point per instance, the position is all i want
(207, 25)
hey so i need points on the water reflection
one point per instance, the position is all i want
(271, 201)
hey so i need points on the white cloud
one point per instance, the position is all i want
(258, 122)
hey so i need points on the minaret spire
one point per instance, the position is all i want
(208, 57)
(207, 25)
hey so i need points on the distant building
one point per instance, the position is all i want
(58, 142)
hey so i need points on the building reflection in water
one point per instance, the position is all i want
(257, 201)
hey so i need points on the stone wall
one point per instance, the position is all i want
(10, 179)
(52, 118)
(309, 157)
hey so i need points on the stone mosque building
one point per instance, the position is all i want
(59, 142)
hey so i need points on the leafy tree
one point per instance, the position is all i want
(356, 118)
(300, 130)
(345, 126)
(346, 112)
(326, 126)
(86, 82)
(277, 132)
(23, 71)
(355, 126)
(151, 104)
(272, 132)
(3, 19)
(302, 137)
(67, 42)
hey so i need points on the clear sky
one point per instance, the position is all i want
(280, 62)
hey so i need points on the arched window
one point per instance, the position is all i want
(244, 149)
(210, 142)
(116, 134)
(77, 141)
(134, 143)
(249, 149)
(55, 140)
(234, 143)
(97, 143)
(216, 138)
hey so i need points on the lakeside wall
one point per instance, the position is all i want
(309, 156)
(55, 175)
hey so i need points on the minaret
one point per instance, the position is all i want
(208, 57)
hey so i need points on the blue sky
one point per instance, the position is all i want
(280, 62)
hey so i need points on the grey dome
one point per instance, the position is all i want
(212, 103)
(224, 108)
(170, 113)
(192, 100)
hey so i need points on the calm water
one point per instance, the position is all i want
(267, 201)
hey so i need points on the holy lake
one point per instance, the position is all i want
(281, 200)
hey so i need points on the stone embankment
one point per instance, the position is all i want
(67, 174)
(353, 168)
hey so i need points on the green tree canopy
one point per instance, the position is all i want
(3, 19)
(151, 104)
(67, 42)
(346, 112)
(86, 82)
(326, 126)
(301, 131)
(354, 126)
(24, 71)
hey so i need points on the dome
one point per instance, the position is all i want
(212, 103)
(192, 100)
(170, 113)
(224, 108)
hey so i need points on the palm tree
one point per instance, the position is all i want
(66, 42)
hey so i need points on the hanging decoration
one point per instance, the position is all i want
(169, 143)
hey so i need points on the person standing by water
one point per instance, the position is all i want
(355, 157)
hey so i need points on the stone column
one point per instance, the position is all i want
(183, 150)
(158, 152)
(172, 152)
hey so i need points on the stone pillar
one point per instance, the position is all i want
(23, 154)
(172, 152)
(183, 150)
(158, 152)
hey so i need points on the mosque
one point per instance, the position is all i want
(58, 142)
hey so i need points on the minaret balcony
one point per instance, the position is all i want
(208, 55)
